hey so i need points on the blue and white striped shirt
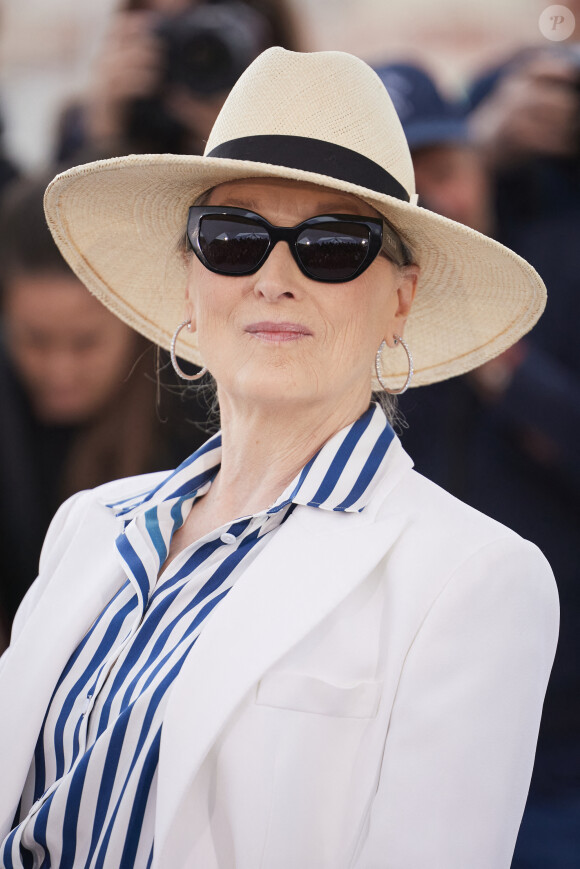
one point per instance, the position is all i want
(89, 799)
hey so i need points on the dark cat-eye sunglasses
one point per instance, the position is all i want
(332, 248)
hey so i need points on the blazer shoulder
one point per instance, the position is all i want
(427, 505)
(446, 545)
(76, 508)
(444, 532)
(128, 488)
(429, 510)
(88, 506)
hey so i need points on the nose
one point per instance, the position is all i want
(278, 278)
(61, 367)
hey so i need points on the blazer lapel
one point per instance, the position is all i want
(75, 595)
(313, 562)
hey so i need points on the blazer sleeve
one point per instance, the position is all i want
(460, 746)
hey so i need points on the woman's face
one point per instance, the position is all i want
(70, 353)
(278, 336)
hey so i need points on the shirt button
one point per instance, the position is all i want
(226, 537)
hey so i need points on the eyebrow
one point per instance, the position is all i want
(247, 202)
(325, 208)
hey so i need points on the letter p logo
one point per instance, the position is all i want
(557, 23)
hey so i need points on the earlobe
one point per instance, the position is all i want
(189, 317)
(188, 309)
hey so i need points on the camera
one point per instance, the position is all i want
(204, 49)
(207, 48)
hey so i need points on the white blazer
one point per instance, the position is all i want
(367, 696)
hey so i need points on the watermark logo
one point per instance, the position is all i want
(557, 23)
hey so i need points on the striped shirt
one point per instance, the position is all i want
(89, 798)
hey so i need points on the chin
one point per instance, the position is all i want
(53, 412)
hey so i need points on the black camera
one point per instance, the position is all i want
(208, 47)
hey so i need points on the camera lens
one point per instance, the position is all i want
(208, 47)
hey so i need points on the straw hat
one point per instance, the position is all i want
(323, 118)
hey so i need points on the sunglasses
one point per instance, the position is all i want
(332, 248)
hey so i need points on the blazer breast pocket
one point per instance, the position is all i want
(302, 693)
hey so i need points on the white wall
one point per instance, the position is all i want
(452, 37)
(46, 48)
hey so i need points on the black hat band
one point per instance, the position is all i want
(313, 155)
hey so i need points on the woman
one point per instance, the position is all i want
(292, 651)
(78, 393)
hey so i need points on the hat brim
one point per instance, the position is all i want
(119, 224)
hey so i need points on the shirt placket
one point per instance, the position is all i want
(143, 571)
(141, 562)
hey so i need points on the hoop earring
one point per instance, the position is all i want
(405, 386)
(176, 367)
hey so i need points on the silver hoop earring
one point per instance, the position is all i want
(398, 340)
(179, 371)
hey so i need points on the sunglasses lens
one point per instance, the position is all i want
(333, 251)
(232, 245)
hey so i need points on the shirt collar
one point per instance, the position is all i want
(341, 476)
(343, 473)
(195, 473)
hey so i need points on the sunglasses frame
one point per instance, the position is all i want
(289, 234)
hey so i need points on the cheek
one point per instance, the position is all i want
(104, 365)
(30, 354)
(205, 297)
(24, 351)
(214, 318)
(218, 332)
(365, 314)
(31, 364)
(212, 301)
(112, 360)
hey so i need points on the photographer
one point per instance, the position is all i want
(78, 392)
(528, 108)
(506, 437)
(164, 72)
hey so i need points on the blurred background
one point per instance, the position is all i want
(47, 50)
(488, 93)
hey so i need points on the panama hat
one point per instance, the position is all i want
(323, 118)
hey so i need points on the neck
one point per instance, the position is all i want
(264, 449)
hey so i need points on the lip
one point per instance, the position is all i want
(268, 330)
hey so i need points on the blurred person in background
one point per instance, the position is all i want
(8, 171)
(452, 178)
(506, 437)
(165, 70)
(78, 393)
(526, 115)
